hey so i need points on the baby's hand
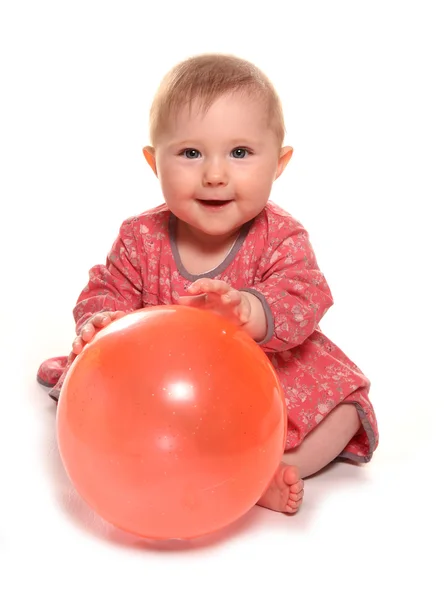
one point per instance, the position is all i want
(92, 326)
(218, 296)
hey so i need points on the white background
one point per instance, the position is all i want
(362, 85)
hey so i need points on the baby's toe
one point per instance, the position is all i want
(296, 488)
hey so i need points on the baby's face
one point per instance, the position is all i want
(216, 169)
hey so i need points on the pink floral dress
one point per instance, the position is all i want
(273, 259)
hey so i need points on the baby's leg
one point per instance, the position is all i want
(318, 449)
(326, 441)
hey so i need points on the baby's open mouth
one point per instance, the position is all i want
(214, 202)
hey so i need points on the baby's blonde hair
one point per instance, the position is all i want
(204, 79)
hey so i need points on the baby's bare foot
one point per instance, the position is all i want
(285, 492)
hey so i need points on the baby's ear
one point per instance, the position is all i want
(149, 153)
(285, 156)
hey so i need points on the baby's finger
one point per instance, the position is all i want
(87, 332)
(244, 314)
(194, 301)
(100, 320)
(232, 297)
(78, 345)
(199, 286)
(116, 315)
(208, 285)
(221, 287)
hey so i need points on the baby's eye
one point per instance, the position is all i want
(240, 152)
(191, 153)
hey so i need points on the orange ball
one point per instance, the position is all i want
(171, 423)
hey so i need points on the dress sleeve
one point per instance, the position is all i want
(292, 290)
(117, 285)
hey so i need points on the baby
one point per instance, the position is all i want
(218, 243)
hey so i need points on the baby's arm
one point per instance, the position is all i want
(256, 325)
(293, 292)
(115, 286)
